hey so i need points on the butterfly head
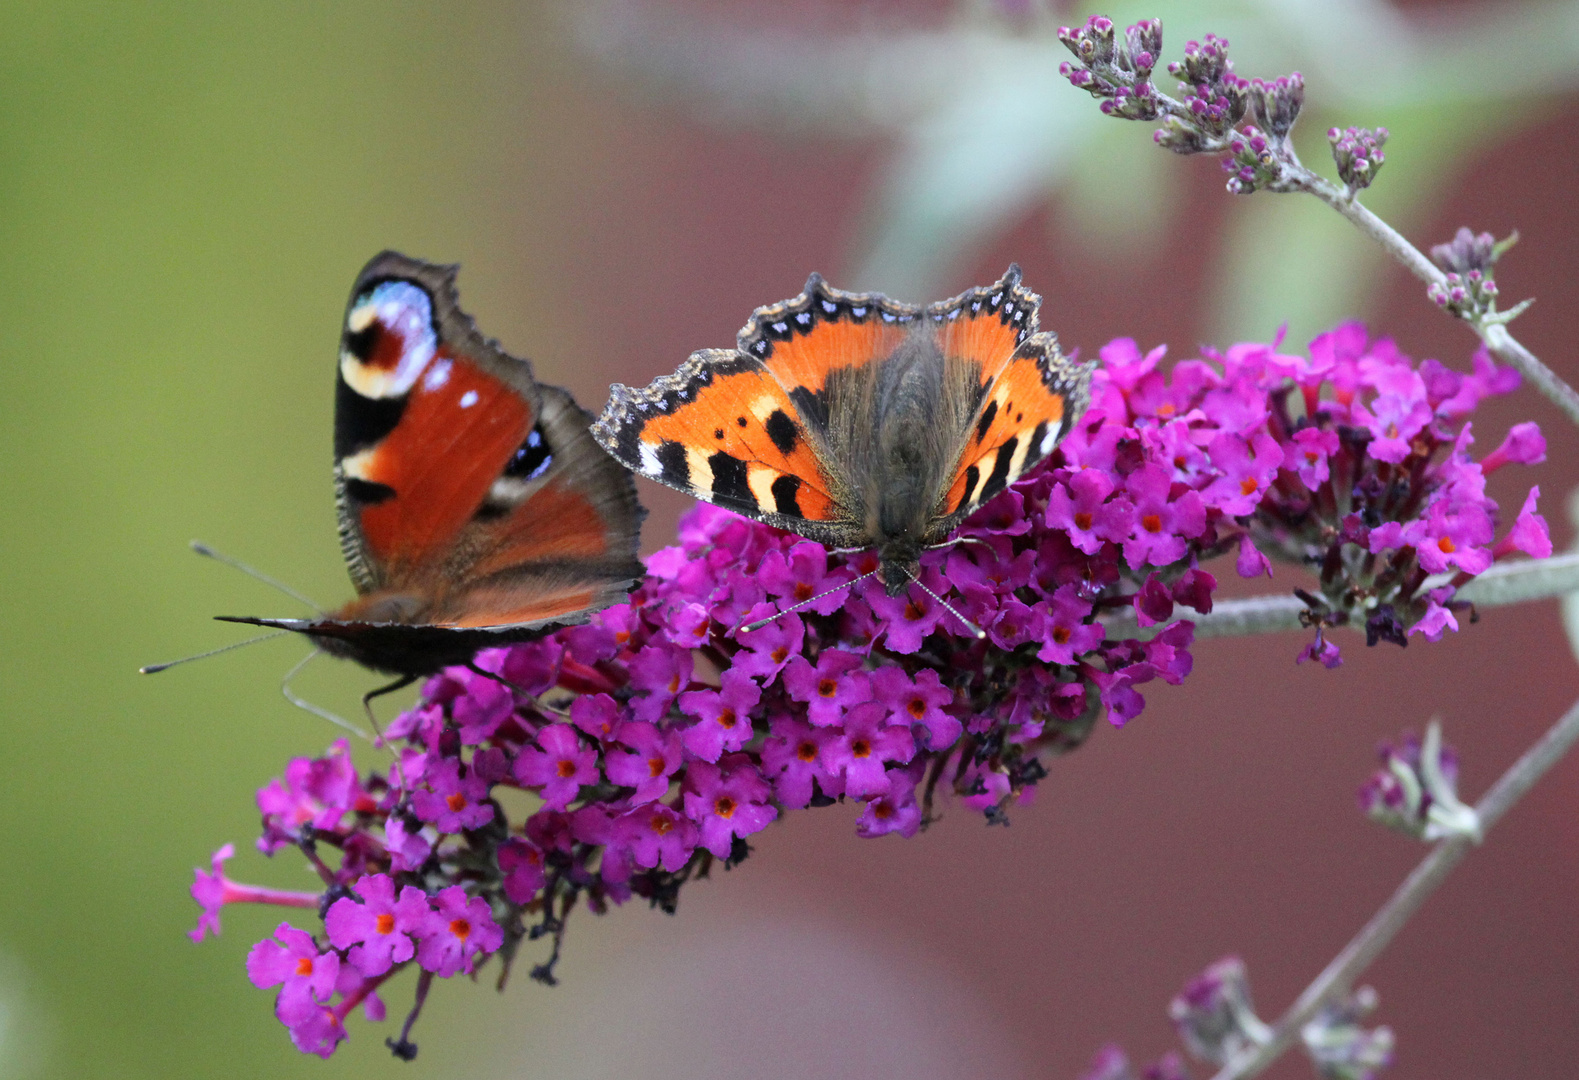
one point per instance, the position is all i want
(900, 565)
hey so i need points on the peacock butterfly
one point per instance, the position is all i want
(475, 508)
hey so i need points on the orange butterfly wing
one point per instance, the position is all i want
(749, 428)
(745, 428)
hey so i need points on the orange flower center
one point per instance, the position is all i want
(567, 768)
(861, 748)
(912, 612)
(674, 683)
(385, 923)
(1061, 634)
(1312, 457)
(828, 687)
(916, 708)
(460, 928)
(1447, 545)
(779, 654)
(802, 591)
(882, 811)
(1082, 520)
(655, 766)
(1165, 409)
(456, 802)
(726, 718)
(1248, 485)
(724, 806)
(660, 824)
(806, 751)
(304, 966)
(1152, 523)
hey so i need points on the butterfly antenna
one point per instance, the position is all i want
(760, 623)
(975, 630)
(307, 706)
(150, 669)
(208, 552)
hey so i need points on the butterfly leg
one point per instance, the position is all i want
(472, 667)
(367, 700)
(307, 706)
(518, 688)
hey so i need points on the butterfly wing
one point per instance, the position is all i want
(1028, 393)
(748, 428)
(470, 495)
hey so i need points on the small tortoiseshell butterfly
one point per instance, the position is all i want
(475, 509)
(857, 421)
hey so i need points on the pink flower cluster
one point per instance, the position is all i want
(1377, 492)
(663, 734)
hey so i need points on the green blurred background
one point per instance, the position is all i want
(186, 192)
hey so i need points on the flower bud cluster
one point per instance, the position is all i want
(1251, 163)
(1111, 1063)
(1213, 1014)
(628, 756)
(1358, 154)
(1217, 1024)
(1214, 99)
(1469, 292)
(1416, 789)
(1117, 73)
(1340, 1047)
(1275, 104)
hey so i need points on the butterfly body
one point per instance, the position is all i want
(857, 421)
(474, 507)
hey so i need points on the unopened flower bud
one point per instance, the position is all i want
(1358, 154)
(1275, 104)
(1213, 1013)
(1110, 1063)
(1204, 62)
(1469, 291)
(1466, 253)
(1340, 1048)
(1143, 44)
(1415, 790)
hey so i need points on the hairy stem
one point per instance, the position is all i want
(1493, 333)
(1505, 583)
(1338, 979)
